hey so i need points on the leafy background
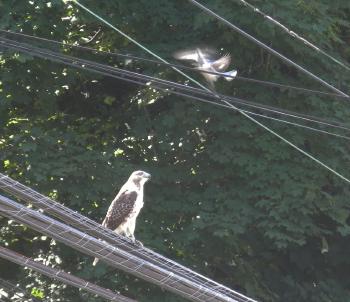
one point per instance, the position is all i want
(226, 198)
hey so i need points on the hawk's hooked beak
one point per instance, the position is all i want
(146, 175)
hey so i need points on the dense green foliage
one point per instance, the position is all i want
(226, 197)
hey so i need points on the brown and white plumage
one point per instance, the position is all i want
(203, 59)
(125, 207)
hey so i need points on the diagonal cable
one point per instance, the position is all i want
(294, 34)
(61, 276)
(266, 47)
(234, 107)
(164, 85)
(113, 256)
(181, 67)
(12, 288)
(95, 229)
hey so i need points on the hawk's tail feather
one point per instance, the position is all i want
(95, 261)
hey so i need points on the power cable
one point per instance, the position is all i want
(266, 47)
(112, 255)
(276, 110)
(62, 276)
(294, 34)
(265, 107)
(85, 63)
(234, 107)
(12, 288)
(179, 66)
(95, 229)
(243, 113)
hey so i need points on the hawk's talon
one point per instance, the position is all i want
(138, 242)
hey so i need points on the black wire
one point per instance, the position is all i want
(12, 287)
(200, 91)
(147, 80)
(266, 47)
(181, 67)
(125, 73)
(294, 34)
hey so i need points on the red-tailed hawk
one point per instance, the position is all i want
(204, 60)
(124, 209)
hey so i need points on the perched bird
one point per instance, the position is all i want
(124, 209)
(203, 59)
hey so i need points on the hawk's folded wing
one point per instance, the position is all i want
(120, 209)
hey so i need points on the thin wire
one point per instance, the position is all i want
(128, 37)
(95, 229)
(179, 66)
(184, 87)
(297, 125)
(61, 276)
(266, 47)
(110, 254)
(13, 287)
(39, 200)
(193, 89)
(234, 107)
(293, 34)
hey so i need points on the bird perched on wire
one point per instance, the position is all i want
(124, 209)
(204, 59)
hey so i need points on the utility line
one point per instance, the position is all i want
(234, 107)
(294, 34)
(61, 276)
(266, 47)
(305, 117)
(179, 66)
(113, 255)
(166, 85)
(12, 288)
(96, 230)
(238, 100)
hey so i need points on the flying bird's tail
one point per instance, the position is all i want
(231, 75)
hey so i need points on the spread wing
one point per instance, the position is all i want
(206, 54)
(222, 63)
(190, 55)
(120, 209)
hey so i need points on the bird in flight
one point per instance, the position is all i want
(125, 207)
(204, 59)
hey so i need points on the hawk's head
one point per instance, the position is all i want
(139, 177)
